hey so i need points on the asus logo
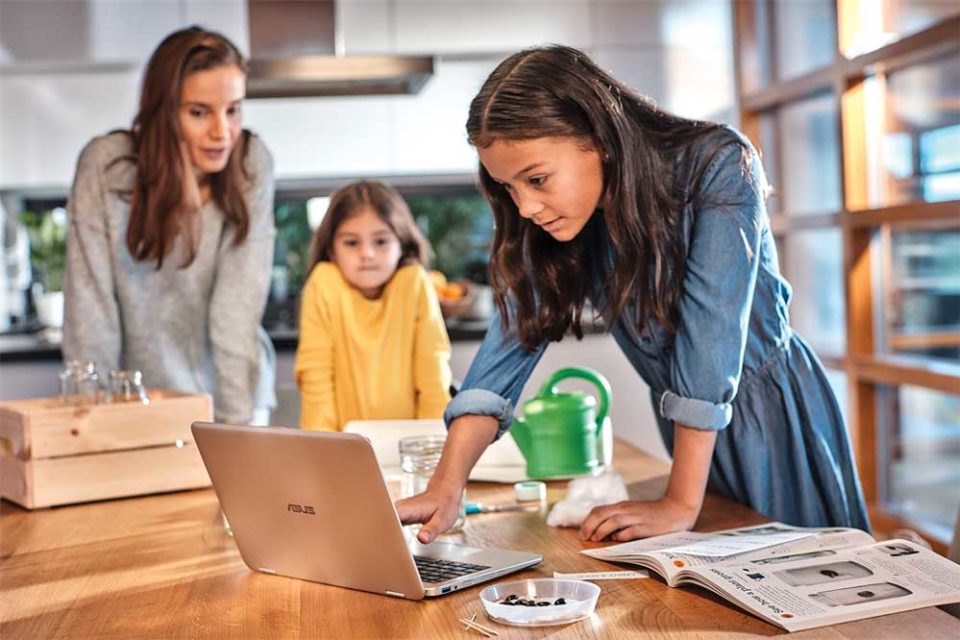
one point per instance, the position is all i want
(301, 508)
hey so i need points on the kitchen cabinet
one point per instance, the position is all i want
(29, 379)
(88, 32)
(366, 27)
(495, 26)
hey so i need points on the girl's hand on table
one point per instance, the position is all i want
(436, 509)
(632, 519)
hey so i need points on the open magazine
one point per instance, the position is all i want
(798, 578)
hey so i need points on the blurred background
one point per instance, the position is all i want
(854, 105)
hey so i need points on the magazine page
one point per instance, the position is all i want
(647, 552)
(669, 554)
(821, 543)
(851, 584)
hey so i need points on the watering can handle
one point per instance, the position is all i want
(603, 387)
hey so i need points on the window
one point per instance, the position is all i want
(920, 450)
(813, 262)
(859, 129)
(880, 22)
(455, 219)
(810, 180)
(805, 36)
(913, 133)
(920, 307)
(460, 230)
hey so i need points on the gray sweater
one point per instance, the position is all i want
(194, 329)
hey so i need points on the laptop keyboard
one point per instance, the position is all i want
(433, 570)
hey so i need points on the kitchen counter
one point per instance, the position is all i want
(28, 347)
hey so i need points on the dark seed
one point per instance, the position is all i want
(560, 601)
(512, 596)
(543, 604)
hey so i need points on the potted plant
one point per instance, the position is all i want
(47, 231)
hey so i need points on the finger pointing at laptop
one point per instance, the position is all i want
(438, 506)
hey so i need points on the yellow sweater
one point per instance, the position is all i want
(370, 359)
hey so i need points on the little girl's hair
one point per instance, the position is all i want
(389, 206)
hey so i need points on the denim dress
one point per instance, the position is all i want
(734, 365)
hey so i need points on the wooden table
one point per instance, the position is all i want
(163, 567)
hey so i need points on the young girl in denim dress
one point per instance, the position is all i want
(659, 223)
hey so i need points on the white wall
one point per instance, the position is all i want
(677, 51)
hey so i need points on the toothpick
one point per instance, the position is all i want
(485, 628)
(487, 631)
(472, 625)
(466, 623)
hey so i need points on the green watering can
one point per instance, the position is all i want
(559, 433)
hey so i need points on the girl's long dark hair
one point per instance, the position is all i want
(158, 211)
(558, 91)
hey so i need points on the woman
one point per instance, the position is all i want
(660, 223)
(171, 236)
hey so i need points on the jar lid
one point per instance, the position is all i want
(530, 490)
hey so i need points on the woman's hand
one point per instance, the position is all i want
(436, 508)
(633, 519)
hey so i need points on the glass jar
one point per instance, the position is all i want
(419, 456)
(79, 383)
(127, 386)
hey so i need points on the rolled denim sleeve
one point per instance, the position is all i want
(718, 285)
(496, 377)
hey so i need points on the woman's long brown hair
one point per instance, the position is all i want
(558, 91)
(159, 212)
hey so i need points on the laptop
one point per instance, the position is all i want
(313, 505)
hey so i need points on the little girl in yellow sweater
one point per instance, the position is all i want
(372, 341)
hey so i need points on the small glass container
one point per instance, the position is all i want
(419, 456)
(79, 383)
(127, 386)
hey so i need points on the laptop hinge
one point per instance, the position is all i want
(395, 594)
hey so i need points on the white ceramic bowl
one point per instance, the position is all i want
(581, 600)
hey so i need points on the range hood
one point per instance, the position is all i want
(296, 51)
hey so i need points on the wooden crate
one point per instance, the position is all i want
(51, 454)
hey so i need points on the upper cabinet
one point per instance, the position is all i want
(84, 33)
(461, 27)
(489, 26)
